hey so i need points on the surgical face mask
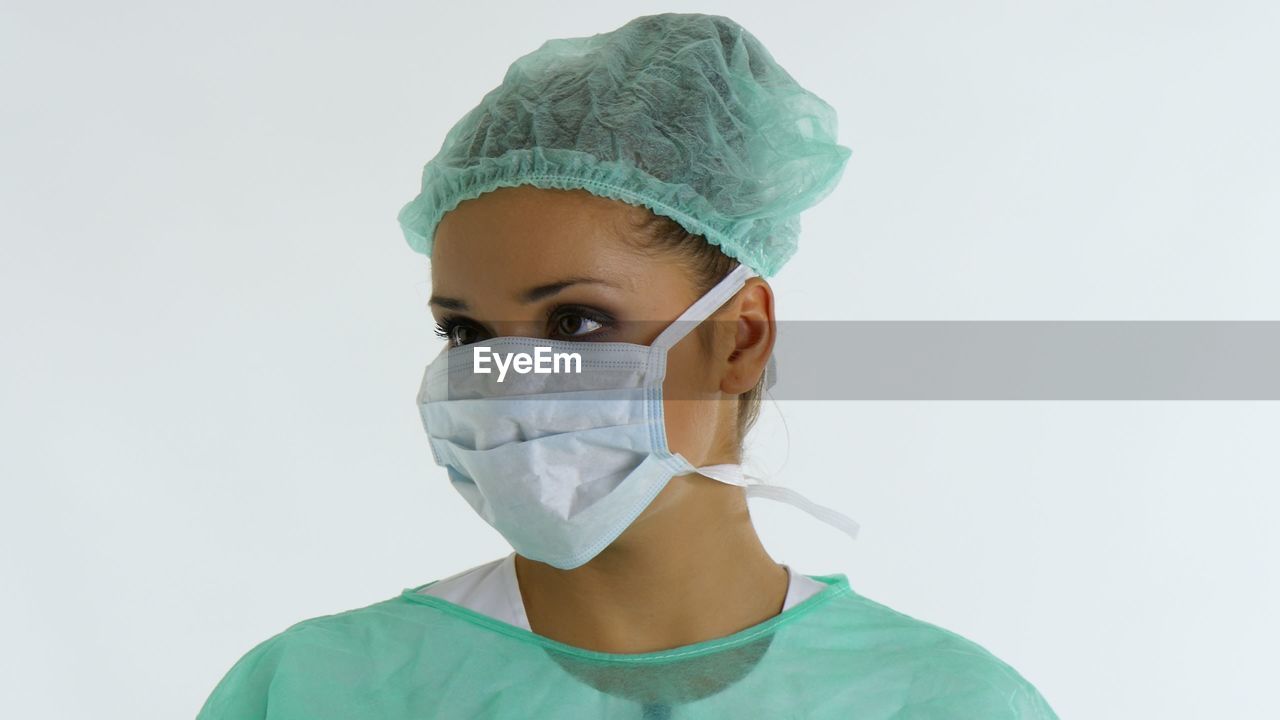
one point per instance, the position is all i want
(562, 462)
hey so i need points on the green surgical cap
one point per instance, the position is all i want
(685, 114)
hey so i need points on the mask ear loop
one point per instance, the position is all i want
(734, 475)
(704, 306)
(834, 518)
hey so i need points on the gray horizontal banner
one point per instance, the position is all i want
(1028, 360)
(908, 360)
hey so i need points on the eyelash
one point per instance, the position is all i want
(445, 327)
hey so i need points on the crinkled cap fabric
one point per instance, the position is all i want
(686, 114)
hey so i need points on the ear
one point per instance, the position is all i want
(755, 332)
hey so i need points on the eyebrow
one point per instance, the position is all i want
(542, 291)
(533, 294)
(447, 303)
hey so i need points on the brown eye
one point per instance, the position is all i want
(572, 325)
(463, 335)
(458, 332)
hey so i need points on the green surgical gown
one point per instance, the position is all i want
(837, 654)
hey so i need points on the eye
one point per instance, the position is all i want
(458, 332)
(571, 325)
(578, 322)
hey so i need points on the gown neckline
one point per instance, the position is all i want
(837, 585)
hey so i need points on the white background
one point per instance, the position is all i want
(213, 330)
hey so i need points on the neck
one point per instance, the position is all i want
(690, 569)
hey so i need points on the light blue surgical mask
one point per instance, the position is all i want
(561, 463)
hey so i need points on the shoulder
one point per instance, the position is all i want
(328, 656)
(940, 672)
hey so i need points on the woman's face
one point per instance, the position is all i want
(557, 264)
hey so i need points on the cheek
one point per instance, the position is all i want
(689, 403)
(689, 425)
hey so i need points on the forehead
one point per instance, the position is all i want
(532, 234)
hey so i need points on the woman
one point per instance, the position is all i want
(617, 202)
